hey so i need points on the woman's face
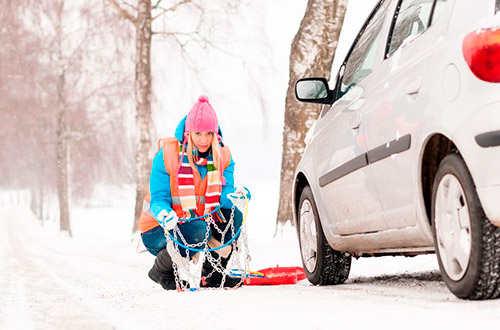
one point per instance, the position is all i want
(202, 140)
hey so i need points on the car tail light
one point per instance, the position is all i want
(481, 50)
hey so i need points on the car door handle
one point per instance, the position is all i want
(413, 87)
(355, 98)
(355, 121)
(356, 104)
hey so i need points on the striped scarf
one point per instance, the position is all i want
(186, 185)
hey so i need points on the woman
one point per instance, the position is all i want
(192, 175)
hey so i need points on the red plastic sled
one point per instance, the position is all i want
(277, 276)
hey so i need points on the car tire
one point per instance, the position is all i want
(322, 264)
(467, 244)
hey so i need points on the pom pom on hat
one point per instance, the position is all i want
(202, 117)
(203, 98)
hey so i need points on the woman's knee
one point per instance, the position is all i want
(237, 216)
(195, 231)
(154, 240)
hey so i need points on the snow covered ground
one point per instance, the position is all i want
(98, 280)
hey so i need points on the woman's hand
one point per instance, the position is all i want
(168, 220)
(239, 198)
(243, 192)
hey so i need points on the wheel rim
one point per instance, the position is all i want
(308, 236)
(453, 227)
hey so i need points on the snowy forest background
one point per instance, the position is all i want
(76, 128)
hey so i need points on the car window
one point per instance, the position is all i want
(411, 19)
(362, 57)
(438, 8)
(497, 6)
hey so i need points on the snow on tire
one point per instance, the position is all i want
(467, 244)
(322, 264)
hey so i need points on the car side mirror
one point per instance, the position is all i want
(313, 90)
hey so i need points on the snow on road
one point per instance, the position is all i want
(97, 280)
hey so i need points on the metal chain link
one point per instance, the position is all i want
(195, 279)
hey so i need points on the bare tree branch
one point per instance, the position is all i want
(123, 12)
(156, 5)
(171, 9)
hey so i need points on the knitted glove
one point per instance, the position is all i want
(243, 191)
(168, 220)
(240, 197)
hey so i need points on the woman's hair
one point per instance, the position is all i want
(216, 151)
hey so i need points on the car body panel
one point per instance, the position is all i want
(338, 147)
(364, 159)
(404, 103)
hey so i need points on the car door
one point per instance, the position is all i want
(395, 114)
(345, 182)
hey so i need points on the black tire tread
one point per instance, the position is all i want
(488, 286)
(336, 266)
(484, 279)
(333, 266)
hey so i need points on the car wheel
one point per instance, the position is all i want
(466, 243)
(322, 264)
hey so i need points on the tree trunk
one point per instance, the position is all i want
(62, 174)
(143, 105)
(62, 164)
(62, 156)
(33, 201)
(311, 55)
(37, 197)
(41, 204)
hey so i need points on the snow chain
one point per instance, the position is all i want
(187, 273)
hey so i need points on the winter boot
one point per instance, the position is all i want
(211, 278)
(162, 271)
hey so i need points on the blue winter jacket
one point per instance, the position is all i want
(159, 180)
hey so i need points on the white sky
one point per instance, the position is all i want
(265, 30)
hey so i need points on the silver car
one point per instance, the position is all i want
(404, 158)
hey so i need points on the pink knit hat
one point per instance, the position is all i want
(202, 117)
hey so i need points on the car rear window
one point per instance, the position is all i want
(438, 8)
(412, 18)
